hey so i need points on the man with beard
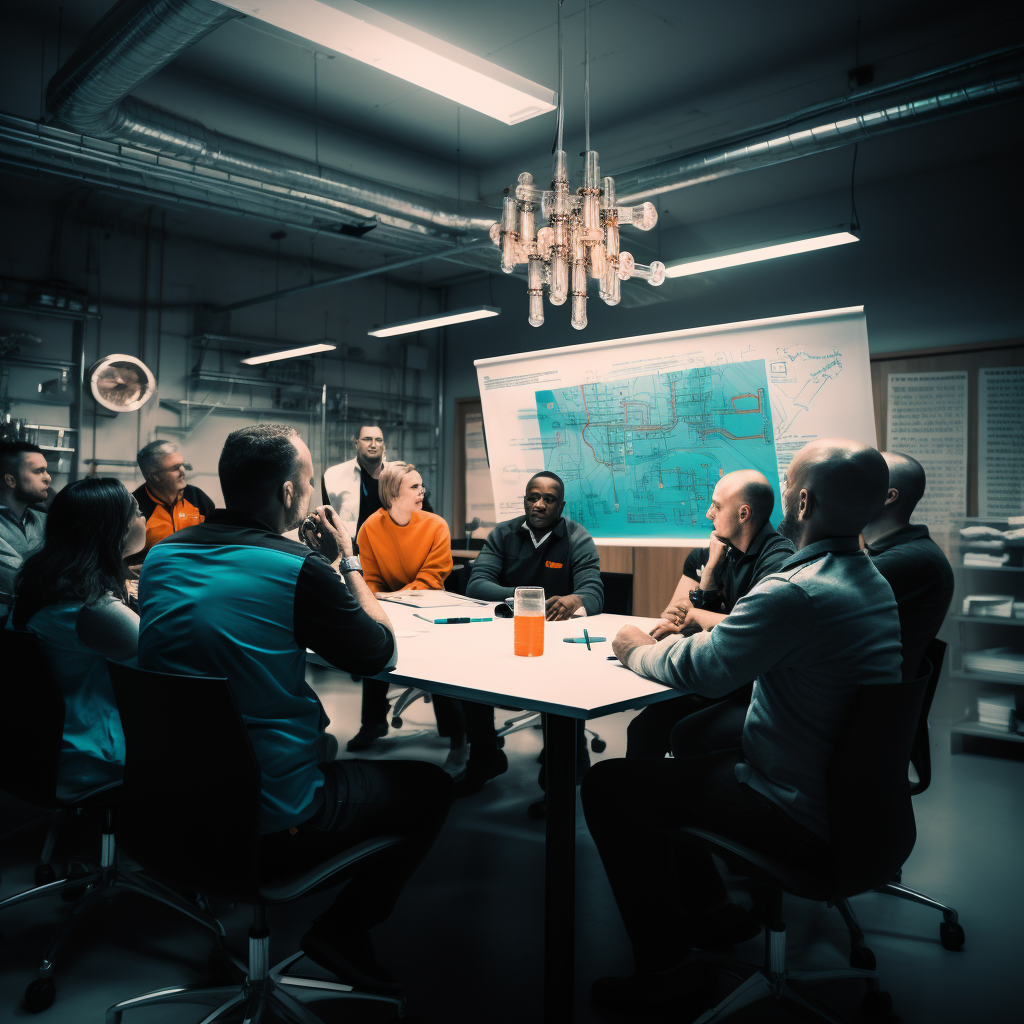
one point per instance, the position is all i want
(809, 635)
(24, 482)
(253, 603)
(351, 487)
(743, 549)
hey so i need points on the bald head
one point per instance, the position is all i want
(834, 487)
(741, 504)
(906, 477)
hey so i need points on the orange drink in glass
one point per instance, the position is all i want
(529, 622)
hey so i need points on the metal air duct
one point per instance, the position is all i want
(968, 85)
(135, 39)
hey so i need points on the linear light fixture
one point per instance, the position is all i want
(289, 353)
(755, 254)
(424, 323)
(354, 30)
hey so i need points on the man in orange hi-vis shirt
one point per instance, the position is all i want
(167, 502)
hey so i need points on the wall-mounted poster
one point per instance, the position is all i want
(1001, 441)
(928, 421)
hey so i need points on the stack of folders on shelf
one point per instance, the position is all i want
(1007, 660)
(986, 546)
(998, 710)
(995, 606)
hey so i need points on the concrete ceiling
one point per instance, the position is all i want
(667, 75)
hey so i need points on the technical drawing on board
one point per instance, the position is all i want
(772, 384)
(644, 454)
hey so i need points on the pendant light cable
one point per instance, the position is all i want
(586, 74)
(561, 84)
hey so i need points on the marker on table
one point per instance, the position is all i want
(448, 622)
(586, 636)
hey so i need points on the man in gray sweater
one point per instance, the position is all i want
(810, 634)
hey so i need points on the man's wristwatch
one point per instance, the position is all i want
(702, 598)
(350, 563)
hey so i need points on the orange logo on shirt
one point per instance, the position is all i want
(553, 565)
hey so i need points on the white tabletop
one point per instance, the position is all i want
(474, 661)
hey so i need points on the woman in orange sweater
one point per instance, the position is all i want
(401, 547)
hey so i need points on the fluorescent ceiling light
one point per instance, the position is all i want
(290, 353)
(769, 251)
(354, 30)
(424, 323)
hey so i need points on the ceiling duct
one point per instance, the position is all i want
(135, 39)
(102, 137)
(968, 85)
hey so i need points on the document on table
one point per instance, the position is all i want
(1001, 441)
(928, 420)
(431, 599)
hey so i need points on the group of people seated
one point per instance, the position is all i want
(767, 636)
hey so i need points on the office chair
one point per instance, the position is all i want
(190, 810)
(951, 933)
(872, 831)
(31, 731)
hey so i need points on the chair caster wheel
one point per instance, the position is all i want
(952, 936)
(598, 746)
(45, 874)
(877, 1004)
(40, 995)
(862, 958)
(396, 722)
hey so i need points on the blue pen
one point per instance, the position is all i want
(586, 636)
(448, 622)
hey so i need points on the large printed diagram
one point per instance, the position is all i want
(641, 456)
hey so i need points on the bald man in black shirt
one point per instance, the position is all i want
(912, 563)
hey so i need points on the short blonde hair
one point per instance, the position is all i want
(389, 483)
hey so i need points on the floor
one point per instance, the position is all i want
(466, 938)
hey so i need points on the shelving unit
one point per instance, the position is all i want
(977, 632)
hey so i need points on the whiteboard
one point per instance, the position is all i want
(640, 429)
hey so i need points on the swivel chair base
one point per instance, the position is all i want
(100, 885)
(264, 992)
(789, 988)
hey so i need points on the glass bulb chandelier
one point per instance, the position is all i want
(579, 234)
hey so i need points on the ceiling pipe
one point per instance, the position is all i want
(88, 97)
(967, 85)
(136, 38)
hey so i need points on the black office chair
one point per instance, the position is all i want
(951, 933)
(871, 830)
(618, 592)
(190, 810)
(31, 729)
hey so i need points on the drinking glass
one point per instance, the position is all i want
(529, 622)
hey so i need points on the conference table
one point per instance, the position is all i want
(474, 661)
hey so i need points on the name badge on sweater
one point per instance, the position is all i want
(552, 565)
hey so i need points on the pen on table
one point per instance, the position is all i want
(586, 636)
(447, 622)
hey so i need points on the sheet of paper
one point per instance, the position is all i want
(1001, 441)
(928, 420)
(431, 599)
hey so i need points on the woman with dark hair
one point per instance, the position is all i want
(72, 595)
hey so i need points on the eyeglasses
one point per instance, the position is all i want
(174, 469)
(548, 499)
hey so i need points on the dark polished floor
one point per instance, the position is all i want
(466, 937)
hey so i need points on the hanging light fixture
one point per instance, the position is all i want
(581, 237)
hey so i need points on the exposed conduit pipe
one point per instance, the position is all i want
(968, 85)
(135, 39)
(138, 37)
